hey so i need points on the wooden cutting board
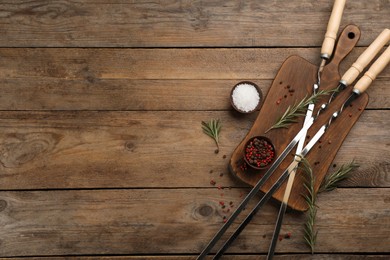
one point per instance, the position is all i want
(292, 83)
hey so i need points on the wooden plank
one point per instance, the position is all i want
(237, 256)
(34, 93)
(180, 23)
(92, 65)
(167, 221)
(40, 150)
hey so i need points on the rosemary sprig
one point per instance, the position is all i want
(297, 110)
(331, 181)
(212, 129)
(310, 231)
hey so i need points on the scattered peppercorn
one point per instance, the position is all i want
(243, 166)
(224, 156)
(211, 171)
(334, 165)
(320, 146)
(216, 151)
(287, 235)
(221, 174)
(285, 96)
(288, 86)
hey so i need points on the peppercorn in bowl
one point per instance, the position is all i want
(259, 152)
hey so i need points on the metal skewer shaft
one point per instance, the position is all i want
(271, 191)
(360, 87)
(254, 190)
(326, 52)
(364, 59)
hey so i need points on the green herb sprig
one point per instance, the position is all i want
(297, 110)
(212, 129)
(329, 183)
(310, 231)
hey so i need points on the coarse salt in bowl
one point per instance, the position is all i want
(245, 97)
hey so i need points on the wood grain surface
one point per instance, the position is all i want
(155, 221)
(137, 79)
(101, 149)
(48, 150)
(183, 23)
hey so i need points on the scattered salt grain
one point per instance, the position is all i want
(245, 97)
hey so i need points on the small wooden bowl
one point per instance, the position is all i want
(269, 143)
(258, 91)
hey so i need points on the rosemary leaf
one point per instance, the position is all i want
(310, 232)
(331, 181)
(297, 110)
(212, 129)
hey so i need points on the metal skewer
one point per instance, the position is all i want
(364, 59)
(358, 66)
(255, 190)
(326, 52)
(359, 88)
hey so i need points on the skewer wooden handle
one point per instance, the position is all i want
(376, 68)
(365, 58)
(333, 27)
(292, 170)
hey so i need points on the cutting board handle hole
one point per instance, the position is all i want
(351, 35)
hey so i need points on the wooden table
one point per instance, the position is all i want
(102, 152)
